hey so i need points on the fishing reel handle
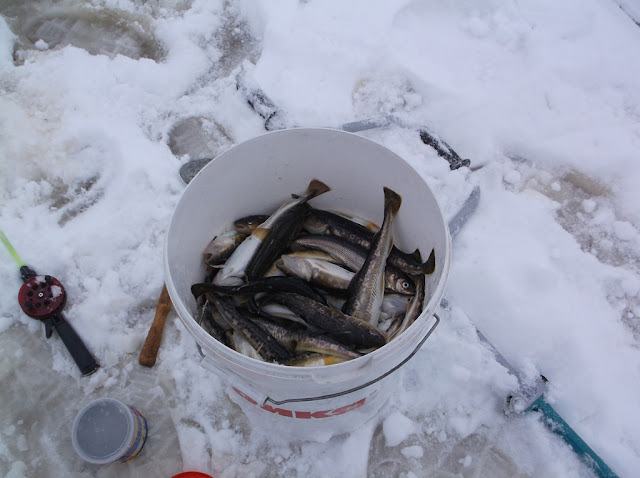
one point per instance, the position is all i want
(76, 347)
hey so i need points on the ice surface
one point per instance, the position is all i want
(102, 101)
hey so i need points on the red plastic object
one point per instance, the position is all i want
(192, 474)
(41, 296)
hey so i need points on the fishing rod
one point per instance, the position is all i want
(43, 297)
(529, 397)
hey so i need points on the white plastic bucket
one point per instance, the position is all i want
(256, 177)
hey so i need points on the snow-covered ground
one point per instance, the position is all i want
(101, 103)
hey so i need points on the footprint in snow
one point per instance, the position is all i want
(99, 32)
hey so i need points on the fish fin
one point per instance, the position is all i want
(295, 196)
(416, 255)
(392, 201)
(430, 266)
(316, 188)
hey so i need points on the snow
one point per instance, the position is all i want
(543, 97)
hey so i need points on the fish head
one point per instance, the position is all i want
(315, 224)
(246, 225)
(401, 284)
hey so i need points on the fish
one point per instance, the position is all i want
(394, 305)
(312, 254)
(353, 257)
(299, 341)
(370, 225)
(221, 247)
(366, 289)
(256, 253)
(277, 313)
(345, 329)
(282, 231)
(319, 221)
(268, 284)
(247, 224)
(415, 307)
(309, 287)
(240, 344)
(347, 253)
(268, 347)
(206, 319)
(273, 269)
(316, 271)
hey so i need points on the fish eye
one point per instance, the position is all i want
(405, 284)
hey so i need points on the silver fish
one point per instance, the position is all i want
(246, 225)
(268, 347)
(345, 329)
(278, 311)
(208, 318)
(240, 344)
(367, 287)
(326, 222)
(235, 269)
(415, 307)
(353, 257)
(274, 270)
(394, 305)
(298, 341)
(221, 247)
(317, 271)
(370, 225)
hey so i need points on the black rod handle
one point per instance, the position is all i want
(76, 347)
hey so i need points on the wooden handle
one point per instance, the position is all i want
(154, 337)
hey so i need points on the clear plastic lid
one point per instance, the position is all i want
(103, 431)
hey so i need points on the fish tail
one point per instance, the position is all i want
(392, 201)
(316, 188)
(430, 266)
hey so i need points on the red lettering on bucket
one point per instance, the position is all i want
(279, 411)
(301, 414)
(245, 396)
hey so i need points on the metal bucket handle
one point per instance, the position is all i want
(345, 392)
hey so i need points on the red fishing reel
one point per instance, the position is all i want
(42, 297)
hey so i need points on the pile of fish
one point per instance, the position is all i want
(310, 287)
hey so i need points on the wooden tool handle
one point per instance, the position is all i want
(154, 337)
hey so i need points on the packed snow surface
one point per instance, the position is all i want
(102, 102)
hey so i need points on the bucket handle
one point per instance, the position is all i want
(360, 387)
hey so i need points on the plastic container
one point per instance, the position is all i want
(108, 431)
(256, 177)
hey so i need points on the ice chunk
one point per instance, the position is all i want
(512, 177)
(41, 45)
(588, 206)
(414, 451)
(397, 428)
(624, 230)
